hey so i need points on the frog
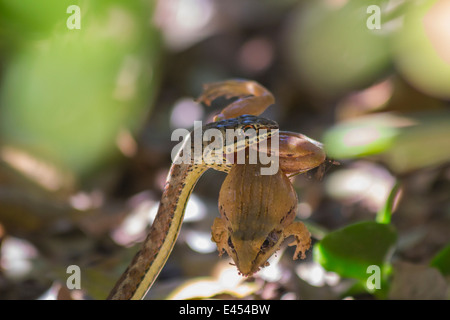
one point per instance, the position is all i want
(257, 212)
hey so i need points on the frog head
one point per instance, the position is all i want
(250, 253)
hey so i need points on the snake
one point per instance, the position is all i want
(181, 180)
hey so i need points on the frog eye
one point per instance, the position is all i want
(265, 244)
(230, 244)
(271, 240)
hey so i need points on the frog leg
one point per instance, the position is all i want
(219, 234)
(297, 153)
(253, 98)
(302, 238)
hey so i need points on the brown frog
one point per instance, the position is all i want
(257, 211)
(256, 214)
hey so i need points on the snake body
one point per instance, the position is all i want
(149, 261)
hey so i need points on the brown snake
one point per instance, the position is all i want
(149, 261)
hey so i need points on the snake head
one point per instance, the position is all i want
(249, 121)
(244, 122)
(223, 140)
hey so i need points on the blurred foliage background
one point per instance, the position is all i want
(86, 116)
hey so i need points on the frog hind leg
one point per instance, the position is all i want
(219, 235)
(253, 98)
(302, 238)
(250, 105)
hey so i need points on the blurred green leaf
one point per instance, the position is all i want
(352, 249)
(422, 144)
(332, 49)
(66, 95)
(405, 142)
(385, 213)
(21, 21)
(359, 138)
(419, 47)
(441, 261)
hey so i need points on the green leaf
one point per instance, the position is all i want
(66, 98)
(385, 213)
(361, 137)
(403, 142)
(352, 249)
(441, 261)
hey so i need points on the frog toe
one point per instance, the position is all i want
(302, 239)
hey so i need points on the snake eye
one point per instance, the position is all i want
(248, 127)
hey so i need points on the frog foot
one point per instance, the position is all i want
(253, 98)
(302, 238)
(219, 235)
